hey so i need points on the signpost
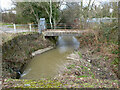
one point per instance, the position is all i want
(41, 25)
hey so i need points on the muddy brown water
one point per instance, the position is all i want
(48, 64)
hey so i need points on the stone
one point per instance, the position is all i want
(27, 85)
(41, 51)
(89, 60)
(98, 68)
(77, 73)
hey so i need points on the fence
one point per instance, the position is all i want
(34, 27)
(61, 26)
(23, 27)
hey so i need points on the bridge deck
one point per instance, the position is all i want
(63, 32)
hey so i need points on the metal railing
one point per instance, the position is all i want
(62, 26)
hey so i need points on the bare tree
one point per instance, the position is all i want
(50, 16)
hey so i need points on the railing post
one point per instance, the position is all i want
(30, 27)
(65, 26)
(14, 27)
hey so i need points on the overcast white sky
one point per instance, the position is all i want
(7, 4)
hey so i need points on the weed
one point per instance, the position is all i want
(106, 58)
(80, 54)
(115, 52)
(71, 66)
(116, 61)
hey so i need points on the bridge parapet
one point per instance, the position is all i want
(63, 32)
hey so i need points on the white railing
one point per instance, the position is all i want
(23, 27)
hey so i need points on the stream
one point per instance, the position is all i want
(48, 64)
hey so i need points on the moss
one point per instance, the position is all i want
(85, 82)
(35, 84)
(88, 85)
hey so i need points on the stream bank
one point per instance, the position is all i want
(17, 51)
(90, 65)
(79, 72)
(85, 69)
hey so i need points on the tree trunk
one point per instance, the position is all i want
(54, 23)
(50, 18)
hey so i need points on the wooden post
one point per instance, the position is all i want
(39, 29)
(30, 27)
(65, 26)
(14, 27)
(44, 38)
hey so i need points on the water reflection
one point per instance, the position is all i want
(66, 43)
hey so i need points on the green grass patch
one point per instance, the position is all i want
(82, 76)
(36, 84)
(5, 24)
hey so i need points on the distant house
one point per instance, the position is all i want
(80, 22)
(98, 20)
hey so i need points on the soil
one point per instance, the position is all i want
(17, 52)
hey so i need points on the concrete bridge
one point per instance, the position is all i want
(63, 32)
(62, 29)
